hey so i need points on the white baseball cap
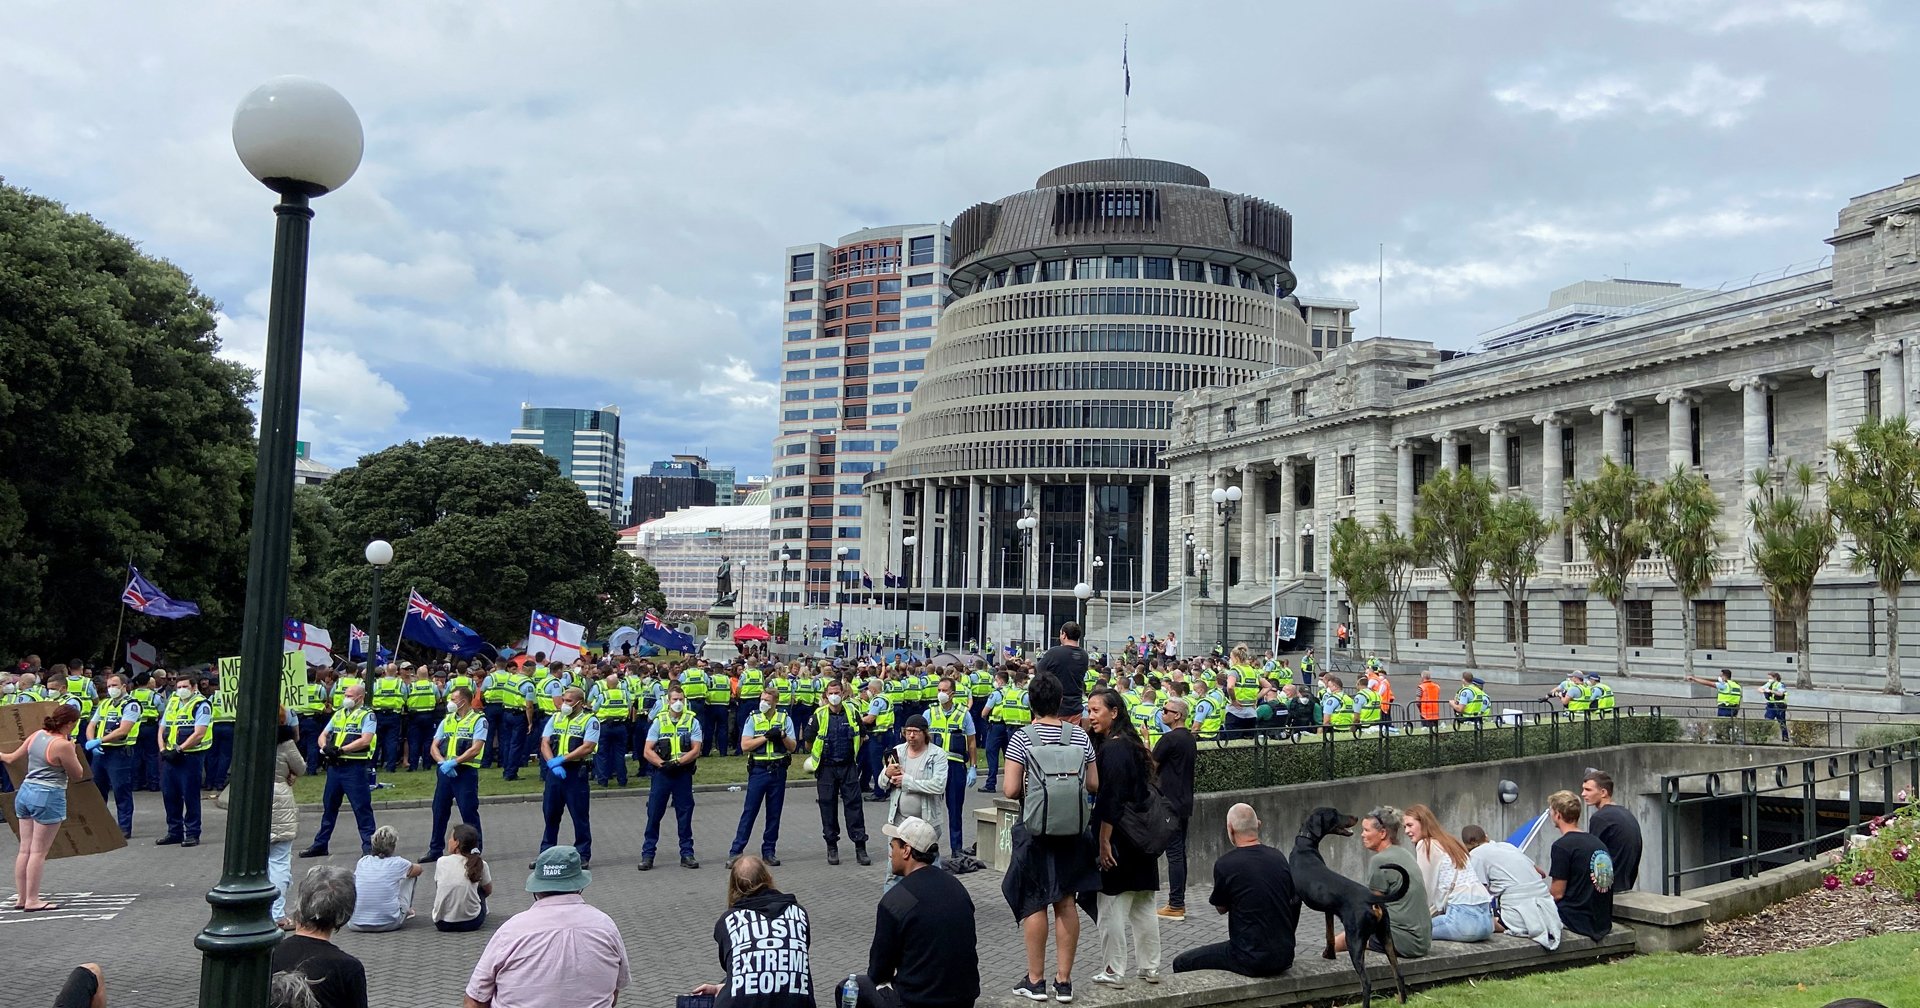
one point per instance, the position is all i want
(913, 831)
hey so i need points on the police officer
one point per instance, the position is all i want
(753, 680)
(310, 716)
(1773, 690)
(186, 733)
(673, 744)
(146, 748)
(347, 750)
(1470, 704)
(879, 721)
(1337, 709)
(519, 710)
(837, 738)
(613, 706)
(992, 722)
(111, 738)
(423, 696)
(457, 747)
(220, 754)
(495, 693)
(389, 712)
(567, 744)
(1726, 697)
(767, 737)
(950, 726)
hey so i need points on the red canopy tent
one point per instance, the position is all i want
(749, 632)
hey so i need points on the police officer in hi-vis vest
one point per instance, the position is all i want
(186, 733)
(612, 704)
(111, 737)
(768, 738)
(566, 752)
(837, 737)
(674, 743)
(457, 747)
(346, 749)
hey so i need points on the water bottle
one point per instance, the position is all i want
(850, 992)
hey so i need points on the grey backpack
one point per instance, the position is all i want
(1055, 803)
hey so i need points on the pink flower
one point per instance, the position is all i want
(1900, 853)
(1831, 881)
(1900, 795)
(1863, 878)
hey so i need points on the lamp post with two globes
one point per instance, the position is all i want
(1226, 501)
(301, 139)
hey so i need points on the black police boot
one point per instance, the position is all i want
(860, 854)
(833, 853)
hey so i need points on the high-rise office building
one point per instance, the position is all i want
(860, 318)
(586, 443)
(657, 495)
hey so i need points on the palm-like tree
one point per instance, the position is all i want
(1452, 514)
(1683, 521)
(1875, 495)
(1511, 542)
(1610, 513)
(1792, 539)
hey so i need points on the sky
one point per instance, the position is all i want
(588, 203)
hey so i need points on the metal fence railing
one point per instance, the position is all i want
(1797, 780)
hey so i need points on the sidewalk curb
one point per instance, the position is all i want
(639, 789)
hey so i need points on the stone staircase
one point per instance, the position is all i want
(1248, 611)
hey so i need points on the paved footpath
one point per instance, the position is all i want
(144, 904)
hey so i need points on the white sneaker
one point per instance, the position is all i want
(1110, 979)
(1151, 976)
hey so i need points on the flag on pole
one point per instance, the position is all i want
(1525, 834)
(142, 656)
(560, 639)
(1125, 72)
(866, 580)
(357, 646)
(894, 580)
(428, 624)
(142, 595)
(314, 641)
(654, 630)
(830, 628)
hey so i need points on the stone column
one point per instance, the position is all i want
(1893, 382)
(1753, 436)
(1611, 429)
(1497, 434)
(1449, 451)
(1250, 523)
(1833, 432)
(1679, 428)
(1289, 538)
(1552, 486)
(1403, 487)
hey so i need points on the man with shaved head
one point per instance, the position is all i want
(1254, 888)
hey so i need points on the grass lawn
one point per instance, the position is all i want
(419, 785)
(1885, 968)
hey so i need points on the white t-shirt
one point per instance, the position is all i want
(384, 892)
(456, 900)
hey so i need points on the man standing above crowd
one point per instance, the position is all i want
(1067, 661)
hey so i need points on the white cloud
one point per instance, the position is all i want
(1705, 93)
(342, 399)
(1727, 15)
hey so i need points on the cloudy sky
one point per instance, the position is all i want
(585, 203)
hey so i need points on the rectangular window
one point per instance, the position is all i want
(819, 510)
(890, 306)
(1262, 411)
(1318, 335)
(919, 343)
(1086, 268)
(859, 308)
(1508, 625)
(920, 280)
(1513, 460)
(857, 467)
(1417, 620)
(826, 372)
(796, 335)
(856, 391)
(1566, 453)
(1122, 267)
(1419, 473)
(1346, 475)
(1053, 269)
(1300, 402)
(920, 301)
(858, 289)
(849, 510)
(1156, 268)
(1637, 615)
(1786, 637)
(920, 250)
(794, 414)
(1193, 270)
(887, 325)
(886, 409)
(917, 364)
(855, 412)
(794, 394)
(850, 488)
(856, 446)
(886, 346)
(831, 314)
(803, 294)
(833, 294)
(1465, 453)
(886, 367)
(920, 322)
(1626, 441)
(1227, 418)
(1770, 440)
(885, 388)
(825, 413)
(799, 354)
(827, 351)
(1710, 624)
(888, 287)
(1693, 434)
(800, 267)
(1220, 274)
(824, 393)
(801, 375)
(1573, 623)
(856, 349)
(860, 329)
(1871, 392)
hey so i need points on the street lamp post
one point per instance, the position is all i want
(1186, 568)
(786, 628)
(1099, 564)
(1326, 591)
(379, 554)
(906, 603)
(1204, 557)
(1226, 501)
(301, 139)
(1027, 524)
(1082, 592)
(840, 589)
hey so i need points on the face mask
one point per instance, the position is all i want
(348, 704)
(183, 692)
(766, 706)
(946, 699)
(116, 692)
(832, 701)
(677, 706)
(11, 688)
(570, 709)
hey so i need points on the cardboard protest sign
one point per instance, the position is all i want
(293, 679)
(90, 827)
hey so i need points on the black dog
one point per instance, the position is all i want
(1362, 911)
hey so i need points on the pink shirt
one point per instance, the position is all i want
(559, 953)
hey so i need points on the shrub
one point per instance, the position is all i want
(1888, 856)
(1874, 736)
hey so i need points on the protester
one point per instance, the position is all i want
(322, 904)
(384, 884)
(288, 764)
(1253, 886)
(1581, 871)
(462, 882)
(40, 803)
(1614, 826)
(915, 777)
(1047, 871)
(559, 951)
(764, 939)
(1525, 904)
(1174, 756)
(1129, 877)
(1067, 662)
(1380, 832)
(1461, 906)
(925, 938)
(86, 987)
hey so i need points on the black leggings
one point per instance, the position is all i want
(1219, 956)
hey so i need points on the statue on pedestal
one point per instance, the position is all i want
(723, 584)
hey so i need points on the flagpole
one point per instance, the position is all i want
(405, 614)
(120, 627)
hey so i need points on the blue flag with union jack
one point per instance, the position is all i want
(655, 630)
(429, 624)
(142, 595)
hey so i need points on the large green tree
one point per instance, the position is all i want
(488, 531)
(121, 435)
(1610, 513)
(1511, 542)
(1875, 495)
(1447, 528)
(1683, 523)
(1375, 567)
(1792, 538)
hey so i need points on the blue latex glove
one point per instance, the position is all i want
(93, 745)
(556, 764)
(559, 772)
(449, 767)
(973, 775)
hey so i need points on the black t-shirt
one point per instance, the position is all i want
(924, 941)
(1582, 861)
(1620, 832)
(1255, 886)
(1068, 663)
(1174, 756)
(339, 981)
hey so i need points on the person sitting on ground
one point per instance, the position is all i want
(1524, 905)
(774, 971)
(1380, 832)
(1581, 871)
(925, 939)
(1253, 886)
(86, 987)
(385, 884)
(322, 904)
(1461, 906)
(559, 951)
(462, 881)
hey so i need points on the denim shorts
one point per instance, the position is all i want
(42, 804)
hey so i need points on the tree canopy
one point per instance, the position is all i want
(121, 435)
